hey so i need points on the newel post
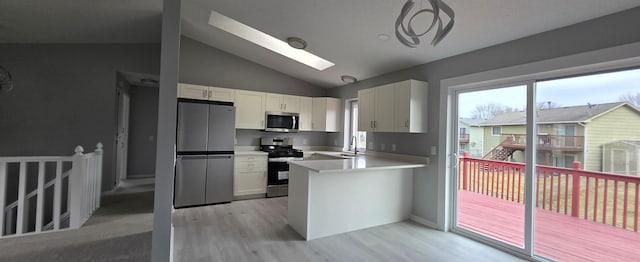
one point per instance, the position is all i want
(465, 176)
(75, 188)
(575, 190)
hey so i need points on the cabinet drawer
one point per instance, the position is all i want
(251, 163)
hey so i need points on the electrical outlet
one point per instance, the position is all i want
(381, 147)
(393, 147)
(335, 142)
(370, 145)
(304, 141)
(434, 150)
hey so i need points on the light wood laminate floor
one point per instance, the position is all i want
(257, 230)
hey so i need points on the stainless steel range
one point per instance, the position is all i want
(280, 151)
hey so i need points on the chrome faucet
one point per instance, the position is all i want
(354, 142)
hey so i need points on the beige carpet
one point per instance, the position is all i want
(119, 231)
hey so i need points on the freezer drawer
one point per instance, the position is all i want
(219, 179)
(190, 181)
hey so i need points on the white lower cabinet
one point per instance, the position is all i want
(250, 175)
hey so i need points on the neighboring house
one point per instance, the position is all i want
(565, 134)
(621, 157)
(471, 136)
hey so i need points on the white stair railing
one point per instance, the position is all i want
(81, 184)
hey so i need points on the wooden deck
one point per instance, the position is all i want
(557, 236)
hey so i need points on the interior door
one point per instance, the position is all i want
(122, 136)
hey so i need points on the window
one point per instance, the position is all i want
(360, 137)
(463, 130)
(496, 130)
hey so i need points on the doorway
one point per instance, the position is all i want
(122, 136)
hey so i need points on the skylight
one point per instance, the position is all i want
(274, 44)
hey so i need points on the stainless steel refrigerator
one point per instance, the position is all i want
(205, 153)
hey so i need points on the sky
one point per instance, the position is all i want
(594, 89)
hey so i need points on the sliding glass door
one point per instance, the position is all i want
(551, 169)
(491, 149)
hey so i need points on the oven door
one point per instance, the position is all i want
(278, 172)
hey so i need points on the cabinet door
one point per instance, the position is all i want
(319, 114)
(366, 107)
(249, 110)
(193, 91)
(291, 104)
(332, 115)
(274, 102)
(306, 107)
(402, 108)
(250, 175)
(222, 94)
(384, 107)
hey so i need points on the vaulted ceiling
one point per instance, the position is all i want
(343, 32)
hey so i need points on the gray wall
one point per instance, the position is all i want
(65, 95)
(608, 31)
(205, 65)
(143, 127)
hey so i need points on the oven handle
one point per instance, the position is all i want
(285, 159)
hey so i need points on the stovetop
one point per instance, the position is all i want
(281, 151)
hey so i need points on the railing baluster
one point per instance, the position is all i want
(3, 188)
(615, 203)
(57, 196)
(40, 197)
(595, 202)
(544, 189)
(635, 224)
(509, 183)
(519, 185)
(566, 192)
(22, 183)
(624, 205)
(605, 203)
(586, 198)
(502, 186)
(558, 209)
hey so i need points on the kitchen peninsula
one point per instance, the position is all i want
(328, 197)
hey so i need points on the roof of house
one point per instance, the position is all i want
(571, 114)
(632, 142)
(472, 121)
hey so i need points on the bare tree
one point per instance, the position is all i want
(548, 105)
(490, 110)
(631, 98)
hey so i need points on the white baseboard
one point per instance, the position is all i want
(424, 222)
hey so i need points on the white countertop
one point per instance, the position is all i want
(362, 162)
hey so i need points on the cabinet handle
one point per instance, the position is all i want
(406, 123)
(204, 93)
(210, 94)
(375, 123)
(285, 106)
(371, 124)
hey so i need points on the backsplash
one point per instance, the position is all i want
(248, 137)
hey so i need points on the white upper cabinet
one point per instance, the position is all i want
(325, 114)
(193, 91)
(250, 109)
(397, 107)
(375, 109)
(306, 109)
(366, 109)
(206, 93)
(411, 106)
(283, 103)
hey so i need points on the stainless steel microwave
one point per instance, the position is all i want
(282, 122)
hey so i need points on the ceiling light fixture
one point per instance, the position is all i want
(348, 79)
(274, 44)
(297, 43)
(405, 31)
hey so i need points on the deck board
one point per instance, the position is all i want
(557, 236)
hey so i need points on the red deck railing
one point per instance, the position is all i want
(606, 198)
(545, 142)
